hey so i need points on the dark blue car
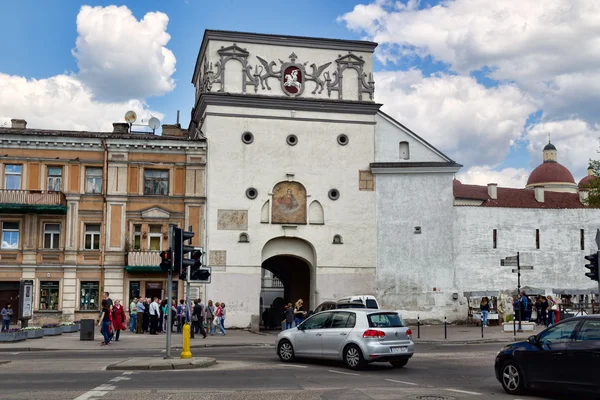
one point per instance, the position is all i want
(565, 356)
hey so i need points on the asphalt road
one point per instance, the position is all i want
(436, 372)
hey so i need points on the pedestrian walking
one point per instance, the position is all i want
(222, 319)
(133, 314)
(7, 313)
(544, 311)
(147, 314)
(154, 311)
(217, 319)
(551, 305)
(173, 314)
(299, 312)
(164, 308)
(210, 315)
(484, 306)
(289, 316)
(104, 322)
(139, 323)
(198, 318)
(118, 319)
(106, 296)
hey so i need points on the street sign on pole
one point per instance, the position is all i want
(526, 267)
(598, 245)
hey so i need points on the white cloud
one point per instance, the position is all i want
(119, 57)
(576, 142)
(122, 62)
(61, 102)
(508, 177)
(472, 123)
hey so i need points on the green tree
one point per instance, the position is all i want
(593, 186)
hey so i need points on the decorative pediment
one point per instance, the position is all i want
(350, 59)
(234, 51)
(155, 213)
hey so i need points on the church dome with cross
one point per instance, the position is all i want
(551, 175)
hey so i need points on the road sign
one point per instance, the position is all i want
(508, 263)
(511, 258)
(526, 267)
(598, 238)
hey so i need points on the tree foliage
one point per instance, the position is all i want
(593, 186)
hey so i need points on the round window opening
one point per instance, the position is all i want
(251, 193)
(342, 139)
(247, 137)
(334, 194)
(292, 140)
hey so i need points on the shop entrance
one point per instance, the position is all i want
(154, 289)
(9, 293)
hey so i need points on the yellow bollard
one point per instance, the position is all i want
(185, 352)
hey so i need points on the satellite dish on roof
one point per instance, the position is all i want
(130, 117)
(153, 123)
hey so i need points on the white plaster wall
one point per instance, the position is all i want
(319, 163)
(559, 262)
(233, 82)
(387, 144)
(415, 273)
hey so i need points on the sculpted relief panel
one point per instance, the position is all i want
(292, 75)
(289, 203)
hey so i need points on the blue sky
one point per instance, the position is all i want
(457, 73)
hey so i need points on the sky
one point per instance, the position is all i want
(487, 82)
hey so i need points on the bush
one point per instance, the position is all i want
(33, 328)
(67, 324)
(50, 326)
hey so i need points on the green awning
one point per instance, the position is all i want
(32, 208)
(143, 268)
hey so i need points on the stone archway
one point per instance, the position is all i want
(290, 263)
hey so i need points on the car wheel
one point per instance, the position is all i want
(399, 364)
(353, 357)
(512, 378)
(285, 351)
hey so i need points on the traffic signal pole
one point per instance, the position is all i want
(519, 291)
(169, 295)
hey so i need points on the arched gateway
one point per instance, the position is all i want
(289, 266)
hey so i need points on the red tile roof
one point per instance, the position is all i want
(550, 172)
(516, 198)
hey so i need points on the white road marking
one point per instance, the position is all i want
(406, 383)
(128, 373)
(463, 391)
(103, 389)
(293, 365)
(343, 373)
(163, 351)
(120, 378)
(92, 394)
(15, 353)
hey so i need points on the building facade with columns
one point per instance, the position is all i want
(87, 212)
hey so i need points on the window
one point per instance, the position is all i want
(537, 239)
(156, 182)
(10, 235)
(590, 331)
(495, 238)
(93, 180)
(155, 238)
(137, 237)
(559, 333)
(49, 295)
(404, 151)
(371, 303)
(89, 296)
(51, 236)
(385, 320)
(316, 321)
(12, 177)
(92, 237)
(54, 179)
(582, 239)
(339, 320)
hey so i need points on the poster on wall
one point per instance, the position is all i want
(26, 298)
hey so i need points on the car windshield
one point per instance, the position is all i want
(385, 320)
(371, 303)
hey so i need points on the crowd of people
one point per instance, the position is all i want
(547, 309)
(150, 315)
(292, 315)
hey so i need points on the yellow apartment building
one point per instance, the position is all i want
(87, 212)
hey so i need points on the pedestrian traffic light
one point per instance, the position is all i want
(166, 261)
(592, 266)
(197, 272)
(181, 249)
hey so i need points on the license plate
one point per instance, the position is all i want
(403, 349)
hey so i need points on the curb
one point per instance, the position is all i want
(193, 346)
(475, 341)
(195, 363)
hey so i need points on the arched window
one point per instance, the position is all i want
(404, 151)
(337, 239)
(244, 238)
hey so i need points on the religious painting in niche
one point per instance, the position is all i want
(289, 203)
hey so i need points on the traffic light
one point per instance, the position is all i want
(197, 272)
(592, 266)
(166, 260)
(180, 250)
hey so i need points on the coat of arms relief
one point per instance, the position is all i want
(292, 75)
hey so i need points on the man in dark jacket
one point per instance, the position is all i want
(198, 318)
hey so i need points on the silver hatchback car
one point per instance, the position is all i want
(356, 336)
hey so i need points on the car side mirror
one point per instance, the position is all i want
(532, 340)
(300, 327)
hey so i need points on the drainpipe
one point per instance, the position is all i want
(104, 212)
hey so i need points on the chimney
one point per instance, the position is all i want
(120, 127)
(493, 191)
(172, 130)
(19, 123)
(539, 194)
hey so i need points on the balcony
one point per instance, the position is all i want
(272, 283)
(32, 201)
(143, 261)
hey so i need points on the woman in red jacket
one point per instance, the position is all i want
(119, 319)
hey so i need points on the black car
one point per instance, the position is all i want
(336, 305)
(565, 356)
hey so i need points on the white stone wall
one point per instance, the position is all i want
(320, 164)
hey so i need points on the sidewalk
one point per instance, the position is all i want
(456, 334)
(131, 341)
